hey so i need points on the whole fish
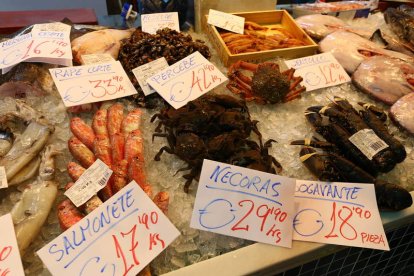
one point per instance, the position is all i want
(99, 42)
(319, 25)
(385, 79)
(402, 113)
(401, 23)
(351, 49)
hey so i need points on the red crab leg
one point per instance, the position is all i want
(99, 122)
(248, 66)
(81, 152)
(162, 200)
(131, 121)
(115, 117)
(68, 214)
(289, 73)
(119, 175)
(133, 145)
(136, 173)
(75, 170)
(117, 144)
(82, 131)
(295, 83)
(294, 94)
(90, 205)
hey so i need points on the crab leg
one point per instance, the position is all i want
(133, 145)
(99, 122)
(82, 131)
(115, 117)
(132, 121)
(117, 144)
(68, 214)
(120, 175)
(81, 152)
(136, 173)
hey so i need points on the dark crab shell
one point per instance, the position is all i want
(270, 84)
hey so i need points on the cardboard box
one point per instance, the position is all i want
(274, 18)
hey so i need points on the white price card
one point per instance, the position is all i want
(244, 203)
(91, 181)
(143, 72)
(92, 83)
(48, 43)
(151, 23)
(96, 58)
(230, 22)
(186, 80)
(120, 237)
(319, 71)
(3, 178)
(338, 213)
(10, 261)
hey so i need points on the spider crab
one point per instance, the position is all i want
(266, 85)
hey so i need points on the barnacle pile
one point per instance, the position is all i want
(142, 48)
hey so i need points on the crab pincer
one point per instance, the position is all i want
(81, 152)
(82, 131)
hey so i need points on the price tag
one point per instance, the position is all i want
(319, 71)
(3, 179)
(186, 80)
(96, 58)
(244, 203)
(48, 43)
(119, 238)
(152, 22)
(368, 142)
(230, 22)
(91, 181)
(10, 261)
(338, 213)
(143, 72)
(92, 83)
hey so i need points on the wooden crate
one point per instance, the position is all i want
(275, 18)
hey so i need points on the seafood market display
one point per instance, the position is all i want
(216, 128)
(267, 85)
(259, 38)
(347, 159)
(45, 149)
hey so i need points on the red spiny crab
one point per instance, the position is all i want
(267, 85)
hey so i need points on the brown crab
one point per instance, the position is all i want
(267, 85)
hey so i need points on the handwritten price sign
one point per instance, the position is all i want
(119, 238)
(92, 83)
(186, 80)
(244, 203)
(45, 43)
(338, 213)
(150, 23)
(319, 71)
(230, 22)
(10, 262)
